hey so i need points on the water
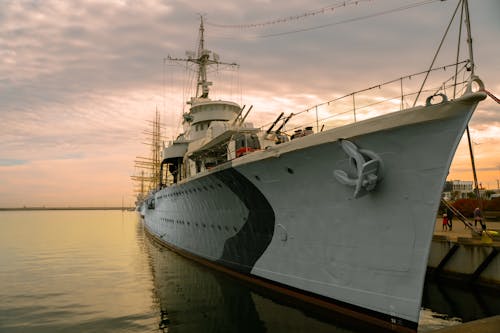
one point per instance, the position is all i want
(80, 271)
(96, 271)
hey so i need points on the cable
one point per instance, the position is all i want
(390, 11)
(288, 18)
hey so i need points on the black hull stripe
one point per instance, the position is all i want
(323, 306)
(242, 251)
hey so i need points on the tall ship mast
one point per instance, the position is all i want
(149, 167)
(341, 218)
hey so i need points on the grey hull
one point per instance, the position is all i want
(282, 214)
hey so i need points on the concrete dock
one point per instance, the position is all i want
(462, 255)
(465, 257)
(486, 325)
(459, 229)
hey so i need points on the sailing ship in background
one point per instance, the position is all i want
(341, 218)
(148, 178)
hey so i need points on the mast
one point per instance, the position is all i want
(471, 58)
(469, 37)
(202, 60)
(150, 164)
(142, 183)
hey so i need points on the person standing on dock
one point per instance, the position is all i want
(450, 215)
(478, 217)
(445, 222)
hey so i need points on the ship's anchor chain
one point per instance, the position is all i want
(368, 165)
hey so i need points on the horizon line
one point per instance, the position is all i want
(34, 208)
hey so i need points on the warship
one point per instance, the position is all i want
(341, 218)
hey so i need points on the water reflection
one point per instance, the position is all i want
(455, 300)
(193, 298)
(73, 271)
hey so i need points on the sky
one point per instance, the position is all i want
(79, 80)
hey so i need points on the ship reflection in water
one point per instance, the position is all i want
(453, 302)
(193, 298)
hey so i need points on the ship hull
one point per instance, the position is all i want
(283, 219)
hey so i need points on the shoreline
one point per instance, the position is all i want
(63, 208)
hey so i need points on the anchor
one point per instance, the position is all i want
(368, 165)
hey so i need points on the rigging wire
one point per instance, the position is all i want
(287, 19)
(318, 12)
(364, 17)
(388, 82)
(458, 47)
(430, 90)
(465, 64)
(437, 51)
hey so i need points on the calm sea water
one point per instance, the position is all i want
(96, 271)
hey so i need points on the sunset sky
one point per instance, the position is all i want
(80, 79)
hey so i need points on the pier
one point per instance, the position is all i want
(486, 325)
(461, 255)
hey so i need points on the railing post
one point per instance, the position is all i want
(317, 121)
(402, 94)
(354, 106)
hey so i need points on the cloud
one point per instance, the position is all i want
(11, 162)
(78, 80)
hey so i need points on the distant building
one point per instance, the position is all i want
(457, 189)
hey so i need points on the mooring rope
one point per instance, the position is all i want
(496, 99)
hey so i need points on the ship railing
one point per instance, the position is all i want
(370, 102)
(390, 96)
